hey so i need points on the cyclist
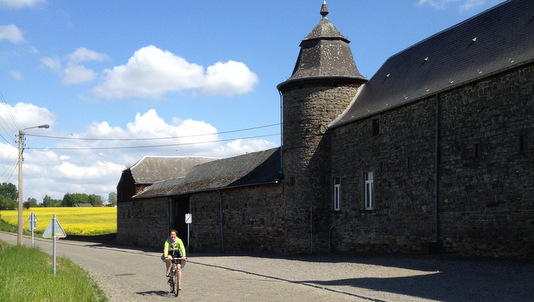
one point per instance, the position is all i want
(174, 247)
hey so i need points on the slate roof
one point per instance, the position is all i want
(493, 41)
(155, 168)
(324, 53)
(256, 168)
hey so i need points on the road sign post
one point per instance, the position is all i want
(188, 220)
(33, 225)
(54, 230)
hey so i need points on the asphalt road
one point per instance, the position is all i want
(127, 274)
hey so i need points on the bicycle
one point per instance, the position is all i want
(173, 275)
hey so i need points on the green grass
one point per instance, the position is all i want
(4, 226)
(27, 275)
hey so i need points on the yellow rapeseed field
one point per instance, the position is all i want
(75, 221)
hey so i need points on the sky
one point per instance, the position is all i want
(119, 80)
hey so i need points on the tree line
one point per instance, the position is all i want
(9, 198)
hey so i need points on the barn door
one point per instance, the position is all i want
(181, 207)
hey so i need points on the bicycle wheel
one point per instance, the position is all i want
(175, 283)
(170, 283)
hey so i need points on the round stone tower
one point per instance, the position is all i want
(324, 82)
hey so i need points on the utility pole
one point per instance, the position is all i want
(21, 150)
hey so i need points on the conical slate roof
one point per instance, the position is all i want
(324, 53)
(324, 30)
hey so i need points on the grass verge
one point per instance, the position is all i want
(6, 227)
(27, 275)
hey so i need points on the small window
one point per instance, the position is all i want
(408, 163)
(368, 190)
(337, 191)
(476, 151)
(522, 143)
(375, 127)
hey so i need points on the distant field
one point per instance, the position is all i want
(75, 221)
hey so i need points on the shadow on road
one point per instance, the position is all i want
(150, 293)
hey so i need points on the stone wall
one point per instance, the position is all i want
(486, 167)
(487, 188)
(143, 222)
(401, 158)
(252, 220)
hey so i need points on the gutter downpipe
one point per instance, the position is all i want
(311, 227)
(437, 172)
(221, 219)
(281, 130)
(169, 208)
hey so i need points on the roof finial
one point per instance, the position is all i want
(324, 9)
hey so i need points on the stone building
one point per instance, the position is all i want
(433, 152)
(144, 173)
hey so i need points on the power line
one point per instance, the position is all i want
(7, 141)
(151, 146)
(10, 116)
(12, 171)
(146, 139)
(11, 160)
(6, 125)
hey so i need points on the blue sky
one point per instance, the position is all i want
(118, 80)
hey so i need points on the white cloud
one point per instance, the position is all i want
(229, 78)
(75, 72)
(90, 172)
(17, 4)
(16, 74)
(187, 132)
(11, 33)
(83, 54)
(152, 72)
(439, 4)
(471, 4)
(52, 63)
(240, 146)
(463, 5)
(27, 115)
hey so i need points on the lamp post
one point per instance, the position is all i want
(21, 149)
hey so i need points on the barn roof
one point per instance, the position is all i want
(256, 168)
(493, 41)
(155, 168)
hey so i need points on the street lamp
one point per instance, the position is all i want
(21, 149)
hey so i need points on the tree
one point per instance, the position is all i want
(71, 200)
(66, 202)
(96, 200)
(33, 202)
(6, 203)
(49, 202)
(9, 190)
(26, 204)
(112, 198)
(8, 195)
